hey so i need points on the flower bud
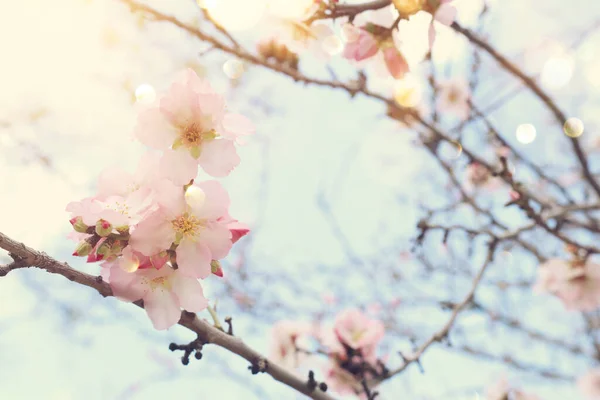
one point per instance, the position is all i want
(216, 269)
(123, 229)
(103, 251)
(408, 7)
(83, 249)
(78, 225)
(103, 228)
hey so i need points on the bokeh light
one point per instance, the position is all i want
(407, 91)
(233, 68)
(236, 15)
(332, 45)
(557, 71)
(573, 127)
(525, 133)
(145, 94)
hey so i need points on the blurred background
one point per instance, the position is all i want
(332, 188)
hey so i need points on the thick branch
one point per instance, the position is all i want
(28, 257)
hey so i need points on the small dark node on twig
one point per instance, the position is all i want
(421, 369)
(261, 365)
(323, 386)
(229, 322)
(312, 383)
(385, 372)
(99, 279)
(371, 395)
(194, 346)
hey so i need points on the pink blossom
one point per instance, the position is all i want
(192, 126)
(478, 176)
(576, 284)
(194, 224)
(453, 98)
(360, 45)
(286, 337)
(356, 330)
(163, 291)
(589, 384)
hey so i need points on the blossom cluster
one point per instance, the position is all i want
(575, 282)
(369, 36)
(156, 231)
(351, 345)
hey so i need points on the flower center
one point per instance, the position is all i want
(186, 226)
(162, 283)
(120, 207)
(357, 335)
(193, 135)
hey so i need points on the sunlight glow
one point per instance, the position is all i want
(233, 68)
(145, 94)
(236, 15)
(526, 133)
(557, 72)
(332, 45)
(573, 127)
(407, 91)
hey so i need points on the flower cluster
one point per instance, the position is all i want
(576, 283)
(157, 231)
(350, 345)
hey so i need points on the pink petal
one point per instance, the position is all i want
(154, 130)
(189, 292)
(126, 285)
(178, 166)
(218, 239)
(152, 235)
(238, 230)
(237, 125)
(114, 181)
(216, 202)
(431, 35)
(367, 47)
(162, 307)
(193, 259)
(445, 14)
(170, 197)
(395, 62)
(219, 157)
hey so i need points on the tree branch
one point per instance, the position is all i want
(28, 257)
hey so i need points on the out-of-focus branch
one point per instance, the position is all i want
(538, 91)
(25, 256)
(443, 332)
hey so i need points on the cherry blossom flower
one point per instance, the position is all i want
(575, 283)
(589, 384)
(194, 224)
(356, 330)
(286, 337)
(192, 126)
(454, 98)
(163, 291)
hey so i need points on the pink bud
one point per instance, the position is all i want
(238, 231)
(216, 269)
(514, 195)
